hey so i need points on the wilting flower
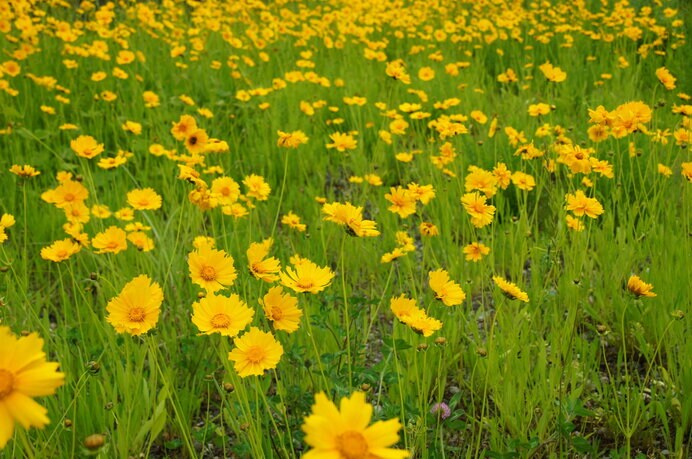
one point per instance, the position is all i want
(136, 309)
(510, 290)
(344, 433)
(220, 314)
(639, 288)
(281, 309)
(24, 374)
(255, 352)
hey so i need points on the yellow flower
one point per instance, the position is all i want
(184, 127)
(86, 146)
(24, 374)
(581, 205)
(291, 139)
(523, 181)
(307, 277)
(480, 212)
(196, 141)
(133, 127)
(666, 78)
(60, 250)
(510, 290)
(575, 224)
(447, 291)
(403, 201)
(137, 307)
(144, 199)
(211, 269)
(140, 240)
(24, 171)
(404, 308)
(342, 142)
(261, 268)
(67, 193)
(112, 240)
(281, 309)
(639, 288)
(226, 189)
(350, 216)
(256, 187)
(255, 352)
(428, 229)
(476, 251)
(219, 314)
(293, 221)
(344, 433)
(423, 324)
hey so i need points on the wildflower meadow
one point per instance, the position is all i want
(345, 229)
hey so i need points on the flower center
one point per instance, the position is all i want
(61, 253)
(352, 445)
(112, 245)
(277, 313)
(136, 314)
(208, 273)
(305, 285)
(6, 383)
(68, 197)
(220, 321)
(192, 140)
(255, 354)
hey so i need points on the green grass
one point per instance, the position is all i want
(582, 369)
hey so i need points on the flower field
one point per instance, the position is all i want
(345, 229)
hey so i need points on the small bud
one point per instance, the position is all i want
(244, 426)
(93, 367)
(94, 276)
(601, 328)
(228, 387)
(365, 387)
(441, 340)
(422, 346)
(4, 269)
(481, 351)
(108, 406)
(67, 423)
(678, 314)
(94, 442)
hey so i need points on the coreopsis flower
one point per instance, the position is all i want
(403, 201)
(423, 324)
(151, 99)
(256, 187)
(397, 70)
(539, 109)
(132, 126)
(141, 241)
(523, 181)
(211, 269)
(281, 309)
(639, 288)
(428, 229)
(553, 74)
(65, 194)
(144, 199)
(196, 141)
(666, 78)
(293, 221)
(342, 142)
(475, 251)
(510, 290)
(351, 217)
(502, 175)
(204, 241)
(422, 193)
(404, 308)
(24, 171)
(575, 224)
(60, 250)
(255, 352)
(260, 266)
(226, 189)
(112, 240)
(86, 146)
(481, 213)
(686, 170)
(447, 291)
(291, 139)
(137, 307)
(579, 204)
(6, 221)
(24, 374)
(343, 432)
(184, 127)
(220, 314)
(482, 180)
(307, 277)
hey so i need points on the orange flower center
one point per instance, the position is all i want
(136, 314)
(352, 445)
(277, 313)
(6, 383)
(61, 253)
(220, 321)
(68, 197)
(112, 245)
(255, 354)
(304, 285)
(208, 273)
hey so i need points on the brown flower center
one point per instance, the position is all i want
(136, 314)
(352, 445)
(255, 354)
(220, 321)
(6, 383)
(208, 273)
